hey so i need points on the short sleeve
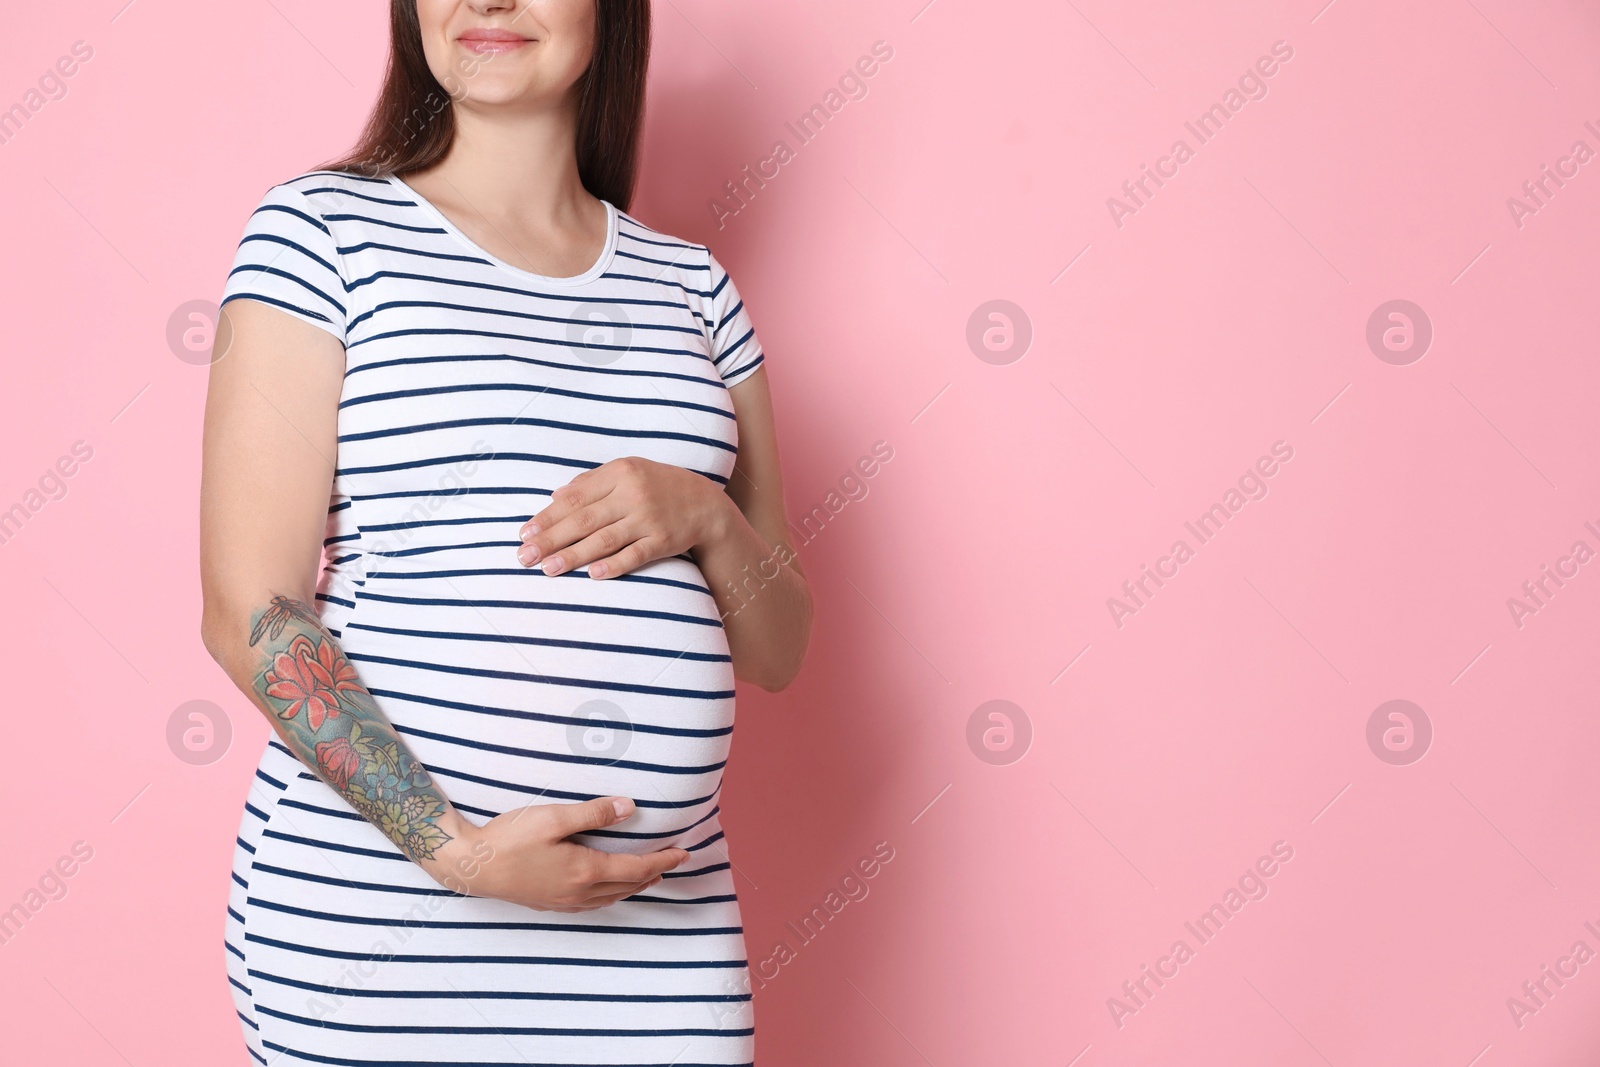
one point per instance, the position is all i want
(734, 348)
(288, 258)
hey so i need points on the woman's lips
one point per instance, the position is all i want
(484, 42)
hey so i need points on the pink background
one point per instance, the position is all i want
(1229, 714)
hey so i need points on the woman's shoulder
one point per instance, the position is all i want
(638, 240)
(310, 181)
(322, 191)
(288, 255)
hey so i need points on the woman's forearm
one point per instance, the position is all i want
(762, 595)
(294, 669)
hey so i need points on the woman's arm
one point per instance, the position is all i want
(270, 443)
(267, 471)
(753, 570)
(623, 514)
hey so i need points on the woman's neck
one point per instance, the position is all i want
(515, 166)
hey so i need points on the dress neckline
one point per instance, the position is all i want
(597, 269)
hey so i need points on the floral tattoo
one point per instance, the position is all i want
(333, 724)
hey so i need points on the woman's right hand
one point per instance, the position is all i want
(524, 856)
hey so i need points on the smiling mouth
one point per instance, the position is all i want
(487, 42)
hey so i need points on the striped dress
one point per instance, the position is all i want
(472, 390)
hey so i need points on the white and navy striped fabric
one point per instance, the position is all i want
(472, 390)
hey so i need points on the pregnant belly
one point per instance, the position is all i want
(517, 688)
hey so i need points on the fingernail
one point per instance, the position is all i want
(621, 807)
(528, 554)
(598, 570)
(553, 565)
(530, 530)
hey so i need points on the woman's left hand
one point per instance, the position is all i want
(623, 514)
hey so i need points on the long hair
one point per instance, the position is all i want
(413, 124)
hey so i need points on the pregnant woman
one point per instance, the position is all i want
(532, 442)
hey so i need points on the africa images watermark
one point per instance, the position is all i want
(1252, 85)
(49, 887)
(433, 105)
(1538, 192)
(1537, 592)
(1537, 992)
(359, 970)
(50, 486)
(852, 888)
(50, 86)
(852, 487)
(1251, 886)
(454, 482)
(1252, 485)
(852, 85)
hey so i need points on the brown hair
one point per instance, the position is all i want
(412, 124)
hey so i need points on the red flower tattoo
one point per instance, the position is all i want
(310, 677)
(339, 760)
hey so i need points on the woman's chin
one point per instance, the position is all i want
(486, 93)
